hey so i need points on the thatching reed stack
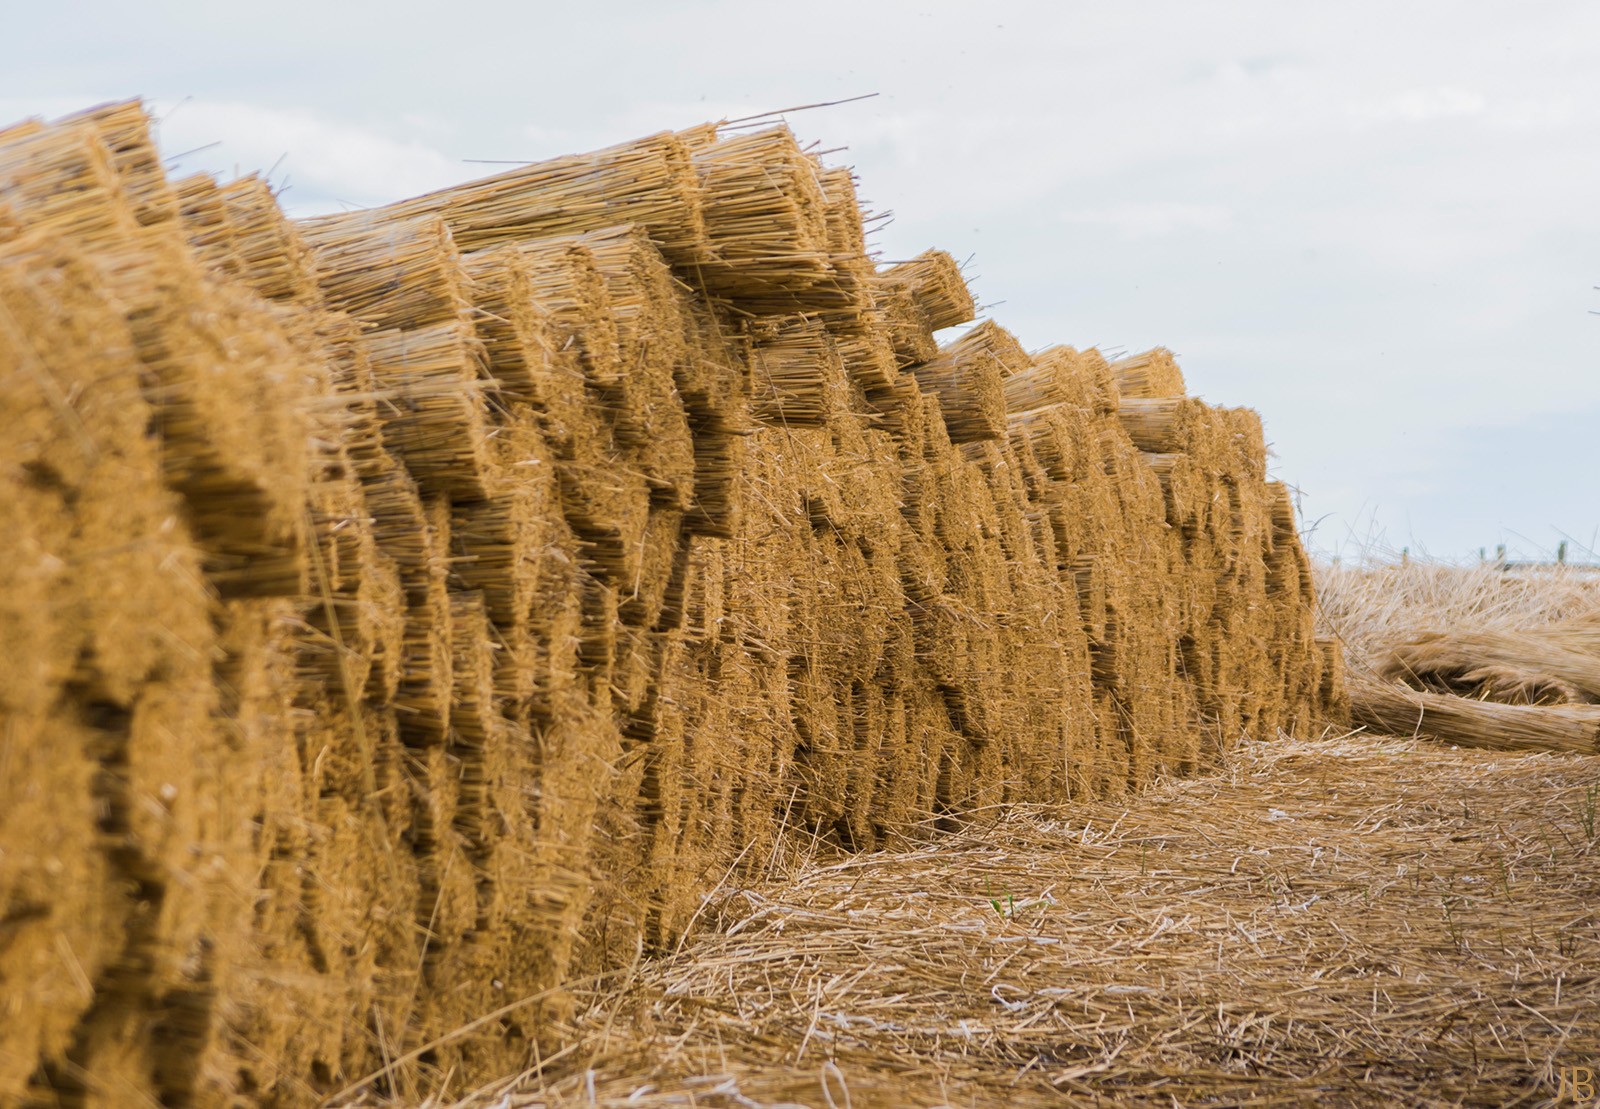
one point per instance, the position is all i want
(416, 608)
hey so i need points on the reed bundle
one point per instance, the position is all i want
(1060, 375)
(123, 129)
(853, 270)
(206, 225)
(274, 259)
(934, 282)
(1158, 424)
(1393, 709)
(904, 323)
(798, 374)
(869, 358)
(966, 375)
(649, 182)
(1552, 664)
(432, 407)
(534, 361)
(517, 333)
(646, 302)
(1149, 375)
(1182, 484)
(567, 284)
(388, 273)
(61, 180)
(422, 702)
(766, 224)
(1333, 691)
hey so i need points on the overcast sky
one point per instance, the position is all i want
(1376, 222)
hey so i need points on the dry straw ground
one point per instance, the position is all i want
(1353, 920)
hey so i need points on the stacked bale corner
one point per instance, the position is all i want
(416, 610)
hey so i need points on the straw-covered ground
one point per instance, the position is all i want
(1351, 920)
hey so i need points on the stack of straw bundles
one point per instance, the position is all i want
(424, 606)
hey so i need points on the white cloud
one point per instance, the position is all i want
(1427, 105)
(327, 162)
(1381, 239)
(1156, 218)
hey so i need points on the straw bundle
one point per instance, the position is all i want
(798, 374)
(1060, 375)
(1555, 664)
(905, 326)
(1157, 424)
(568, 285)
(432, 407)
(1333, 693)
(206, 225)
(422, 701)
(1149, 376)
(231, 390)
(61, 180)
(648, 182)
(966, 375)
(386, 272)
(1393, 709)
(933, 281)
(274, 259)
(124, 130)
(853, 270)
(766, 224)
(652, 347)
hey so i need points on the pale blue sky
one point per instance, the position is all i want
(1378, 223)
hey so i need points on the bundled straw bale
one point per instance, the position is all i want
(432, 406)
(390, 273)
(766, 224)
(798, 374)
(1333, 693)
(518, 334)
(1393, 709)
(274, 259)
(1157, 424)
(649, 182)
(966, 376)
(123, 129)
(853, 270)
(206, 225)
(904, 323)
(61, 180)
(935, 285)
(1148, 376)
(1059, 375)
(652, 347)
(1554, 664)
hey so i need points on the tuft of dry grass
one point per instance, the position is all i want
(1355, 920)
(1374, 607)
(1417, 633)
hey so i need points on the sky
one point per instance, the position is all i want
(1376, 223)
